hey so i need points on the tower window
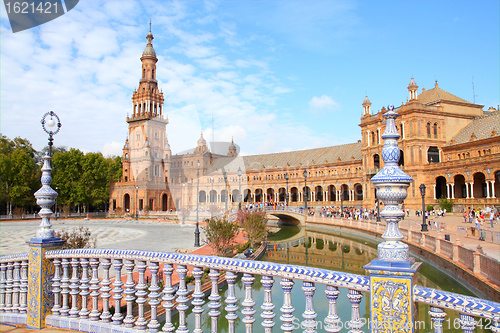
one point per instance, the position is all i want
(152, 73)
(428, 130)
(143, 73)
(435, 130)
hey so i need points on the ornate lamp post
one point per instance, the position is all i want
(422, 193)
(239, 189)
(136, 202)
(287, 176)
(182, 201)
(212, 199)
(197, 230)
(46, 196)
(305, 190)
(224, 173)
(55, 217)
(39, 267)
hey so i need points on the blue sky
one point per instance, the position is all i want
(275, 75)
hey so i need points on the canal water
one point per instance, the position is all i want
(338, 251)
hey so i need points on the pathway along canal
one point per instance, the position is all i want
(337, 251)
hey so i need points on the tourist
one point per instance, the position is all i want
(465, 217)
(492, 215)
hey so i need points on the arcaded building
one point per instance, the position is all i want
(447, 143)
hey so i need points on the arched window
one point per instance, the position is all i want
(435, 130)
(373, 138)
(433, 155)
(428, 130)
(376, 161)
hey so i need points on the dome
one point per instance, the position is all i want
(149, 51)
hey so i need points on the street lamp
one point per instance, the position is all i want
(212, 199)
(182, 201)
(136, 202)
(239, 189)
(227, 189)
(197, 230)
(287, 176)
(56, 205)
(305, 190)
(422, 193)
(51, 123)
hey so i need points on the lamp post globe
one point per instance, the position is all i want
(51, 126)
(422, 193)
(197, 230)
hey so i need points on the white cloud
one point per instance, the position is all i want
(112, 149)
(322, 103)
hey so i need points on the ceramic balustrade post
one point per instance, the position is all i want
(355, 323)
(8, 289)
(141, 294)
(214, 298)
(16, 286)
(309, 314)
(117, 291)
(182, 298)
(231, 301)
(168, 297)
(248, 303)
(64, 311)
(84, 288)
(287, 309)
(198, 301)
(332, 321)
(437, 317)
(73, 312)
(56, 287)
(3, 286)
(154, 296)
(129, 293)
(24, 287)
(267, 306)
(467, 323)
(105, 289)
(94, 289)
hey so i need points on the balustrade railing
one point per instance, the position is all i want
(83, 299)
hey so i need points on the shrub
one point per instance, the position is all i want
(445, 203)
(430, 208)
(255, 226)
(220, 235)
(78, 238)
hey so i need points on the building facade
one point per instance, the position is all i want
(448, 144)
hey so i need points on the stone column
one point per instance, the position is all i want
(41, 270)
(471, 190)
(434, 190)
(452, 190)
(488, 189)
(393, 273)
(467, 190)
(492, 188)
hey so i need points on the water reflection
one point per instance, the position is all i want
(334, 251)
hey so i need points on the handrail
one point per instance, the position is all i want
(340, 279)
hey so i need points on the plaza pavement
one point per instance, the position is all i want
(452, 222)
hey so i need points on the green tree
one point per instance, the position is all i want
(95, 179)
(446, 203)
(220, 234)
(19, 173)
(254, 224)
(66, 174)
